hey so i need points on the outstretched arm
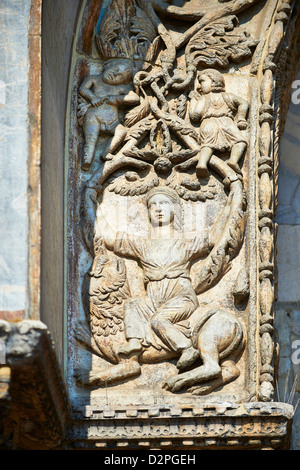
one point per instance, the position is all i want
(92, 224)
(107, 231)
(219, 225)
(129, 99)
(86, 91)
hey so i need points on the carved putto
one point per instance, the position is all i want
(162, 132)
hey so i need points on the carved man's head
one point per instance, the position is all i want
(163, 203)
(117, 72)
(211, 80)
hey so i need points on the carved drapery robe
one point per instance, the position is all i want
(218, 129)
(169, 291)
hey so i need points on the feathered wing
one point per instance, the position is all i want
(133, 184)
(104, 292)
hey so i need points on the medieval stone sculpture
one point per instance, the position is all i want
(156, 326)
(164, 156)
(216, 110)
(99, 110)
(180, 139)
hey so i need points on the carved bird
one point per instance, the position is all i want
(104, 291)
(107, 281)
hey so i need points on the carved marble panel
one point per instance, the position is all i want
(170, 193)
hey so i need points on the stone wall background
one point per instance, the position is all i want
(287, 320)
(14, 63)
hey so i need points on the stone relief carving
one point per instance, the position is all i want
(216, 110)
(155, 325)
(176, 136)
(101, 96)
(267, 168)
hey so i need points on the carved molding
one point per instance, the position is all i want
(267, 174)
(159, 139)
(210, 426)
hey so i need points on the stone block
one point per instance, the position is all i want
(288, 262)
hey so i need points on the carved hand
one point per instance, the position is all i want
(242, 124)
(98, 101)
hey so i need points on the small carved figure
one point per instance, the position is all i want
(222, 117)
(103, 95)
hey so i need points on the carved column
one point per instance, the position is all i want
(172, 155)
(267, 168)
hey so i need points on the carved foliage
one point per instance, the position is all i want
(160, 143)
(125, 31)
(220, 43)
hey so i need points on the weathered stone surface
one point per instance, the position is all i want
(147, 118)
(148, 112)
(14, 17)
(153, 116)
(54, 75)
(210, 425)
(35, 411)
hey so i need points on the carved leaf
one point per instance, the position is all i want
(136, 114)
(187, 185)
(144, 32)
(138, 129)
(113, 39)
(132, 184)
(160, 138)
(219, 43)
(188, 194)
(125, 31)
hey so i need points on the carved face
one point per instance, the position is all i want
(117, 73)
(205, 84)
(161, 210)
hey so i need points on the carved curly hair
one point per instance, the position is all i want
(218, 82)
